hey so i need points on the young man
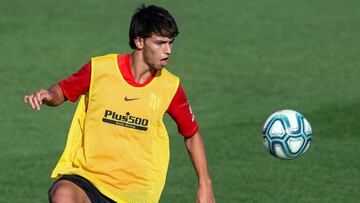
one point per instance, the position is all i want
(117, 148)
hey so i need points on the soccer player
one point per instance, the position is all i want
(118, 148)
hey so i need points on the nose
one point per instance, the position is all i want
(167, 48)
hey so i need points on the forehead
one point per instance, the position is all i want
(155, 37)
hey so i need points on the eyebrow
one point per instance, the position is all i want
(164, 41)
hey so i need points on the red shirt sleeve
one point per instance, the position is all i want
(180, 110)
(77, 83)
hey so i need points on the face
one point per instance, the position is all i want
(156, 50)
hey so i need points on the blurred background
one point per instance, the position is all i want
(239, 62)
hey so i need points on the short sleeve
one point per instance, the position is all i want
(180, 110)
(77, 84)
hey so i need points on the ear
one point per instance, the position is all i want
(139, 42)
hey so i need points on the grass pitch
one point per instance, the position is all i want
(239, 62)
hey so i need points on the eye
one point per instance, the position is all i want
(160, 42)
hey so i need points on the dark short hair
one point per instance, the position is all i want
(148, 20)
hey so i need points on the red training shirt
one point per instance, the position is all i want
(179, 108)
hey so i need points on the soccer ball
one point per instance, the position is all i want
(287, 134)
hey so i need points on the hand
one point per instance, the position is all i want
(38, 98)
(205, 194)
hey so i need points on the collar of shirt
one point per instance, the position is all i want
(125, 69)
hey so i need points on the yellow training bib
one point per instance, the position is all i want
(117, 139)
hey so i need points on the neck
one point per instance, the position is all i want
(140, 70)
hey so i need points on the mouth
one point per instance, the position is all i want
(164, 61)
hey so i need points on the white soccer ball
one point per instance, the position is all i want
(287, 134)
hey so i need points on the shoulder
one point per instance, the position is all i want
(165, 73)
(102, 57)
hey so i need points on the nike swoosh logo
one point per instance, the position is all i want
(130, 99)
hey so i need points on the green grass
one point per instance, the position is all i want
(239, 62)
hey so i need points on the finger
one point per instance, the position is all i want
(26, 99)
(39, 97)
(36, 103)
(30, 100)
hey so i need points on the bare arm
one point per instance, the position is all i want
(52, 97)
(196, 150)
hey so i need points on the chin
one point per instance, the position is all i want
(159, 67)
